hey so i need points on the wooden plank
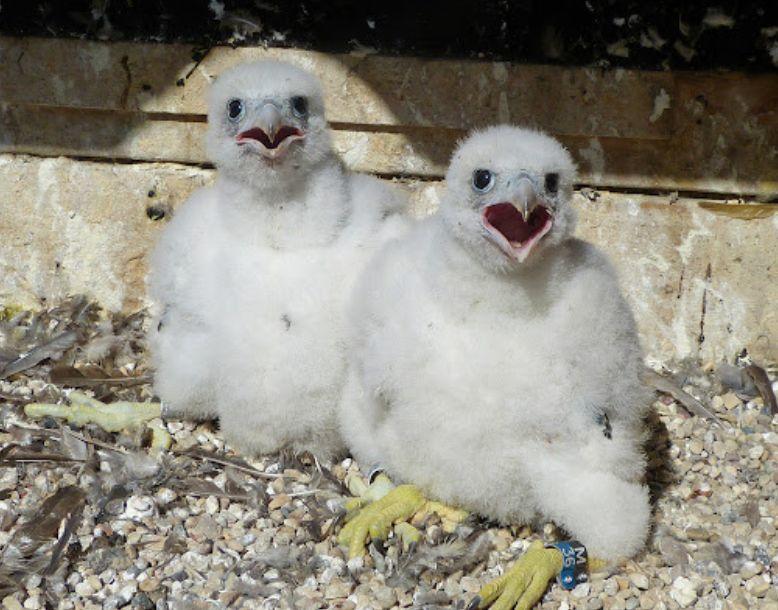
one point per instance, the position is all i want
(363, 90)
(424, 152)
(75, 226)
(136, 137)
(682, 130)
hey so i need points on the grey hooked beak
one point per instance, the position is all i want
(270, 120)
(525, 196)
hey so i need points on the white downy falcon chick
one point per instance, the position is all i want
(495, 362)
(252, 274)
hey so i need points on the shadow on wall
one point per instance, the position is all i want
(703, 132)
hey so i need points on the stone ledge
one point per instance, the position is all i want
(75, 226)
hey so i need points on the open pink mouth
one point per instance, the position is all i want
(514, 234)
(271, 148)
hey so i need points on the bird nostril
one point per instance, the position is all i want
(156, 212)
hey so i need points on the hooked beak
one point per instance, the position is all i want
(517, 225)
(270, 137)
(526, 197)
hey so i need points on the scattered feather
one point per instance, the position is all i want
(91, 377)
(131, 465)
(51, 349)
(202, 487)
(235, 463)
(12, 455)
(27, 552)
(689, 402)
(762, 383)
(445, 558)
(722, 554)
(735, 378)
(72, 446)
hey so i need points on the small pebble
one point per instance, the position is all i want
(639, 580)
(11, 603)
(714, 544)
(758, 586)
(581, 590)
(84, 589)
(756, 452)
(750, 569)
(683, 591)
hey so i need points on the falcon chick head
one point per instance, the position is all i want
(266, 122)
(508, 194)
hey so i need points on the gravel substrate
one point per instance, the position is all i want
(90, 519)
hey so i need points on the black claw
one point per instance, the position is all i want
(412, 548)
(474, 603)
(378, 544)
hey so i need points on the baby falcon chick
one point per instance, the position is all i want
(495, 364)
(252, 274)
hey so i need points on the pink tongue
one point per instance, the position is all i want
(508, 221)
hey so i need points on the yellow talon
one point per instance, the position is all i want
(160, 437)
(381, 506)
(376, 519)
(449, 517)
(365, 494)
(354, 504)
(522, 586)
(407, 534)
(356, 485)
(112, 417)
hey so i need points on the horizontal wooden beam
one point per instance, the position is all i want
(76, 226)
(665, 130)
(422, 152)
(366, 90)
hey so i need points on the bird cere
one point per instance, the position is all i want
(398, 388)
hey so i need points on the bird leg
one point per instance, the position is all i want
(524, 583)
(110, 417)
(522, 586)
(365, 494)
(382, 505)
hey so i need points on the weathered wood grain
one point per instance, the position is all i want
(129, 136)
(688, 131)
(362, 90)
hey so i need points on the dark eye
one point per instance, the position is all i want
(482, 180)
(299, 105)
(552, 183)
(234, 109)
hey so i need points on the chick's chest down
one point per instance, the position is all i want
(285, 272)
(478, 373)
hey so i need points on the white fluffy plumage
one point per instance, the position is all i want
(252, 274)
(495, 364)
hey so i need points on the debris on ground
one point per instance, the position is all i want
(97, 519)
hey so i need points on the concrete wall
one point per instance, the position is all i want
(94, 134)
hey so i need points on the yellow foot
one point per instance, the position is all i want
(522, 586)
(380, 506)
(110, 417)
